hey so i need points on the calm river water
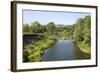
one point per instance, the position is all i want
(63, 50)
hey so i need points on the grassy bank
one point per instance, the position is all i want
(80, 53)
(83, 47)
(34, 50)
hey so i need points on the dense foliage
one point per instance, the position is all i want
(80, 32)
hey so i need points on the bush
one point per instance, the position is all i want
(34, 50)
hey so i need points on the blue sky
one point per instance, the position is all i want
(44, 17)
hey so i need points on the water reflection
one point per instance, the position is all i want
(64, 50)
(80, 54)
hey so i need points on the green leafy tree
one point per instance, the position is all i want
(87, 29)
(50, 27)
(26, 28)
(36, 27)
(82, 32)
(43, 28)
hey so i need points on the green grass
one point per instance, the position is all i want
(83, 46)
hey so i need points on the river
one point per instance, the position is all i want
(63, 50)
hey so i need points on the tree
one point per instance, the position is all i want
(87, 29)
(26, 28)
(36, 27)
(50, 27)
(78, 28)
(82, 31)
(43, 28)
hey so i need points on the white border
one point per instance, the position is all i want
(21, 65)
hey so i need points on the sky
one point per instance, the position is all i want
(58, 17)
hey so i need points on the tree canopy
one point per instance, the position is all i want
(36, 27)
(82, 31)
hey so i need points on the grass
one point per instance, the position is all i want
(83, 47)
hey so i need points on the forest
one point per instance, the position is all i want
(79, 32)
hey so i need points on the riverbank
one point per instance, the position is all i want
(82, 53)
(84, 50)
(87, 51)
(34, 50)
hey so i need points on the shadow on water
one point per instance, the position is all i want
(81, 55)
